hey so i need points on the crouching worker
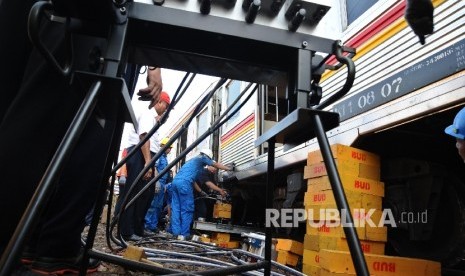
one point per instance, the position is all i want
(182, 202)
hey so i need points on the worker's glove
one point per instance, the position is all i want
(419, 15)
(157, 187)
(122, 180)
(203, 194)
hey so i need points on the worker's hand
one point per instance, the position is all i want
(203, 194)
(419, 15)
(122, 180)
(148, 175)
(152, 91)
(223, 193)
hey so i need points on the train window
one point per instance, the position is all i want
(355, 8)
(202, 126)
(233, 91)
(273, 109)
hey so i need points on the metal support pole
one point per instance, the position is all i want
(358, 259)
(46, 185)
(269, 203)
(102, 198)
(303, 81)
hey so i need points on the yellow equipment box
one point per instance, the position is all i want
(318, 243)
(222, 237)
(346, 153)
(310, 270)
(222, 210)
(229, 244)
(290, 245)
(379, 265)
(344, 167)
(287, 258)
(349, 183)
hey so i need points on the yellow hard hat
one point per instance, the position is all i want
(164, 141)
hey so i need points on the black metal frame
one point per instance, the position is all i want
(182, 40)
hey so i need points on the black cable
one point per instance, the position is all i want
(125, 204)
(213, 128)
(174, 101)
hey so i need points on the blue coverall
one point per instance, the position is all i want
(182, 203)
(153, 214)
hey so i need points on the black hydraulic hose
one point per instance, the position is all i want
(184, 127)
(235, 102)
(260, 272)
(201, 245)
(45, 187)
(276, 264)
(183, 261)
(349, 80)
(125, 204)
(139, 145)
(155, 128)
(184, 255)
(234, 269)
(110, 226)
(213, 128)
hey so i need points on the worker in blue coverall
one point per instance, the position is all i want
(182, 202)
(153, 214)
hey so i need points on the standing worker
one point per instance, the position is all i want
(457, 129)
(153, 214)
(182, 203)
(205, 182)
(132, 219)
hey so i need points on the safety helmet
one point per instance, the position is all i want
(457, 129)
(207, 152)
(164, 141)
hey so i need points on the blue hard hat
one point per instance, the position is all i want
(457, 129)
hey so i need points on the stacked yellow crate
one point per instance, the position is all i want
(337, 263)
(222, 210)
(325, 247)
(359, 172)
(288, 252)
(224, 240)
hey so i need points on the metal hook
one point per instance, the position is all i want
(338, 49)
(33, 32)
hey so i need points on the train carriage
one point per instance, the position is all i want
(403, 97)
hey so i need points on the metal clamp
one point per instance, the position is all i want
(33, 32)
